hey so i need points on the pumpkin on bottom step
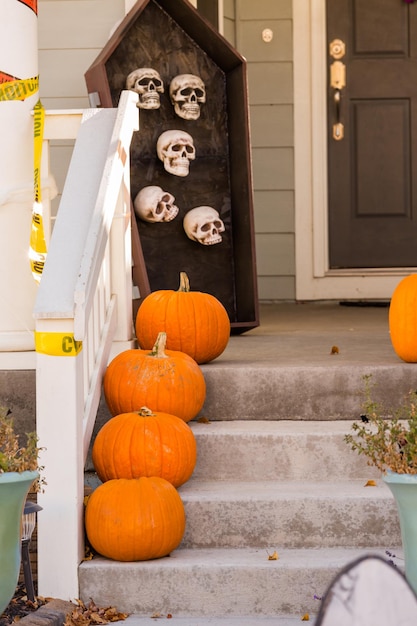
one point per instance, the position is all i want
(135, 519)
(145, 443)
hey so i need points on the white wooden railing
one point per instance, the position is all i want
(83, 310)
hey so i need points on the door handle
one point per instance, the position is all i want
(338, 128)
(337, 82)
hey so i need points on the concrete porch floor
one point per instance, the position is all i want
(297, 333)
(308, 361)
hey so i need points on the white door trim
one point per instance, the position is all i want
(314, 279)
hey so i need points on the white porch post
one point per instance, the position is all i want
(18, 96)
(60, 533)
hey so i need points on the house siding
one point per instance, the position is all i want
(73, 32)
(270, 78)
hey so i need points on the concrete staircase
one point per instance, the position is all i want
(285, 484)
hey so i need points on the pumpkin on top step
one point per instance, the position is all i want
(135, 519)
(145, 443)
(163, 380)
(195, 322)
(403, 319)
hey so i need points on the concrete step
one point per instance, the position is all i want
(137, 620)
(277, 450)
(290, 486)
(251, 450)
(274, 515)
(267, 383)
(218, 583)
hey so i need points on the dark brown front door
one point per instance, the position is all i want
(373, 168)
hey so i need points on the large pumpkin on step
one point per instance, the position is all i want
(144, 443)
(135, 519)
(163, 380)
(403, 319)
(195, 322)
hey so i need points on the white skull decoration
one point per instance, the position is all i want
(203, 224)
(176, 149)
(187, 93)
(153, 204)
(147, 83)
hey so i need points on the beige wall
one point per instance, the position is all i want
(72, 33)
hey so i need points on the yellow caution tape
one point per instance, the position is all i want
(39, 122)
(57, 344)
(37, 249)
(18, 89)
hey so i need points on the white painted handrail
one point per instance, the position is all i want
(84, 306)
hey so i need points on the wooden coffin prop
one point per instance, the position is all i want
(172, 39)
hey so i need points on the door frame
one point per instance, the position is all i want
(314, 279)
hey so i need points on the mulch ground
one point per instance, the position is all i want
(80, 615)
(19, 606)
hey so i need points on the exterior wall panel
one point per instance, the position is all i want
(272, 126)
(268, 217)
(71, 33)
(269, 9)
(270, 78)
(255, 49)
(270, 83)
(273, 168)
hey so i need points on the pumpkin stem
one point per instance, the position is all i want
(184, 282)
(145, 412)
(158, 350)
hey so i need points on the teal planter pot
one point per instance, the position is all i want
(404, 490)
(14, 488)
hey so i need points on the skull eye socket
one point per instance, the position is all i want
(205, 227)
(178, 148)
(159, 208)
(217, 224)
(152, 83)
(189, 91)
(165, 198)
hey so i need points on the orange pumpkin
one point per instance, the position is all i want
(143, 443)
(195, 322)
(403, 319)
(167, 381)
(135, 519)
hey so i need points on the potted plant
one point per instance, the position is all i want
(19, 471)
(390, 443)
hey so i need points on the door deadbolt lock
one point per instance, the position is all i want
(337, 49)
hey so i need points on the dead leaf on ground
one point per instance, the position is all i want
(371, 483)
(305, 618)
(203, 420)
(90, 614)
(274, 556)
